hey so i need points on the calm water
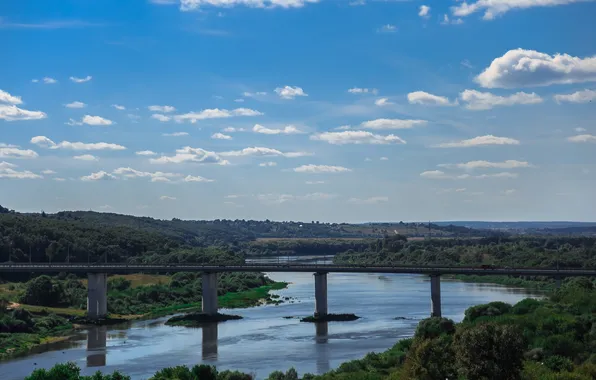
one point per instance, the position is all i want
(264, 341)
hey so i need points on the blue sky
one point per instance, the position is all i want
(300, 110)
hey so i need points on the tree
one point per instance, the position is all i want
(430, 359)
(489, 352)
(42, 291)
(51, 250)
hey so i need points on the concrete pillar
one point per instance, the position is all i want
(97, 295)
(558, 282)
(209, 299)
(96, 346)
(209, 341)
(435, 295)
(320, 294)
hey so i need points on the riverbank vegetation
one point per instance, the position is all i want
(330, 318)
(548, 339)
(200, 319)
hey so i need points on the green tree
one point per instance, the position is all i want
(42, 291)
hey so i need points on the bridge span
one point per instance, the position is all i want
(97, 277)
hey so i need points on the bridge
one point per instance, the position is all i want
(97, 277)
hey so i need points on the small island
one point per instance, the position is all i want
(330, 318)
(199, 319)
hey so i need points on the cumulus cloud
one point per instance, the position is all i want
(584, 96)
(5, 97)
(119, 107)
(579, 139)
(287, 130)
(479, 141)
(11, 151)
(191, 5)
(215, 113)
(438, 174)
(81, 80)
(163, 109)
(160, 117)
(167, 198)
(145, 153)
(190, 178)
(383, 102)
(530, 68)
(321, 169)
(48, 171)
(358, 90)
(75, 104)
(356, 137)
(175, 134)
(14, 113)
(233, 129)
(91, 120)
(262, 151)
(253, 94)
(7, 171)
(477, 101)
(388, 28)
(392, 124)
(368, 201)
(480, 164)
(289, 92)
(153, 176)
(269, 163)
(315, 182)
(448, 21)
(188, 154)
(220, 136)
(48, 80)
(426, 99)
(494, 8)
(86, 157)
(424, 11)
(98, 176)
(45, 142)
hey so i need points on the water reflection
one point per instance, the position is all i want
(96, 346)
(210, 341)
(321, 347)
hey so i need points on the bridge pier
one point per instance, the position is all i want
(435, 295)
(320, 294)
(558, 282)
(209, 299)
(97, 295)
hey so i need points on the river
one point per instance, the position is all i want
(264, 340)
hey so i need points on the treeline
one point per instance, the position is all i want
(537, 251)
(302, 247)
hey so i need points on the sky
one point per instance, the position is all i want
(329, 110)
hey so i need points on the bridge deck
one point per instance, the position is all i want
(311, 268)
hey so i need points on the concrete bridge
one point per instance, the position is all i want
(97, 277)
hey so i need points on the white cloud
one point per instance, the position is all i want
(315, 182)
(343, 128)
(239, 100)
(426, 99)
(382, 102)
(98, 176)
(356, 137)
(261, 151)
(154, 176)
(48, 80)
(167, 198)
(476, 100)
(507, 164)
(368, 201)
(86, 157)
(175, 134)
(478, 141)
(215, 113)
(14, 113)
(6, 165)
(392, 124)
(220, 136)
(5, 97)
(133, 118)
(191, 5)
(282, 198)
(289, 92)
(494, 8)
(13, 152)
(584, 96)
(233, 129)
(466, 63)
(163, 109)
(321, 169)
(75, 104)
(254, 94)
(438, 174)
(45, 142)
(287, 130)
(388, 28)
(358, 90)
(160, 117)
(188, 154)
(579, 129)
(48, 171)
(579, 138)
(509, 191)
(119, 107)
(269, 163)
(145, 153)
(81, 80)
(96, 120)
(190, 178)
(7, 171)
(527, 68)
(448, 21)
(384, 158)
(59, 179)
(424, 11)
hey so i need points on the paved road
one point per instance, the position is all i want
(312, 268)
